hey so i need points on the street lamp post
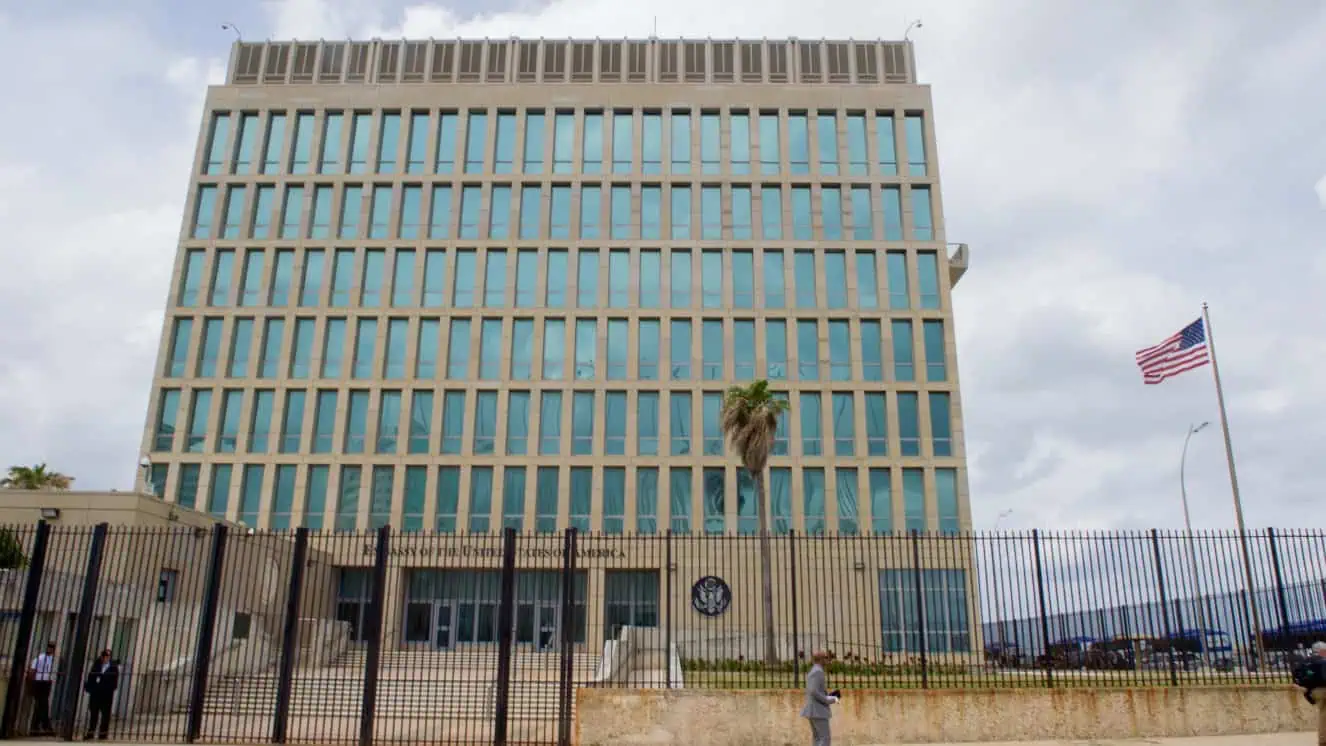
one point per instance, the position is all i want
(1192, 547)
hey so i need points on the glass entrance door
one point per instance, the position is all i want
(444, 613)
(547, 627)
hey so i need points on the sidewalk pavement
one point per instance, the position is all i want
(1271, 739)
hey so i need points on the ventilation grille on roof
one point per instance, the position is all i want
(389, 58)
(278, 59)
(248, 64)
(638, 61)
(554, 61)
(867, 67)
(752, 67)
(610, 61)
(582, 62)
(333, 62)
(416, 62)
(444, 61)
(527, 67)
(471, 61)
(357, 69)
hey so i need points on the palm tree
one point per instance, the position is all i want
(750, 420)
(35, 478)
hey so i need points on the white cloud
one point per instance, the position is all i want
(1320, 188)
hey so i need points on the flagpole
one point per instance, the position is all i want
(1234, 487)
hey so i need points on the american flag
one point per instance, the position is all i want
(1181, 352)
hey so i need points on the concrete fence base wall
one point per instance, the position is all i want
(770, 718)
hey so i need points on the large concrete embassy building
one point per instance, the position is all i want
(452, 286)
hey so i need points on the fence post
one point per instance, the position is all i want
(18, 664)
(202, 653)
(87, 607)
(368, 707)
(505, 617)
(1279, 580)
(1164, 608)
(796, 622)
(290, 636)
(667, 602)
(920, 608)
(1040, 598)
(566, 633)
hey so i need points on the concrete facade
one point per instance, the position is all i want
(455, 286)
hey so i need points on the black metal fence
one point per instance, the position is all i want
(231, 635)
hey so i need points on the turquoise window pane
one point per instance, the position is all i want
(681, 143)
(282, 279)
(311, 284)
(271, 159)
(808, 354)
(899, 294)
(812, 425)
(915, 137)
(798, 141)
(886, 144)
(812, 484)
(374, 278)
(192, 277)
(620, 213)
(941, 424)
(315, 496)
(513, 497)
(546, 499)
(775, 283)
(582, 488)
(711, 213)
(769, 146)
(559, 212)
(234, 213)
(863, 218)
(681, 350)
(651, 212)
(324, 422)
(923, 228)
(743, 350)
(439, 213)
(564, 133)
(592, 144)
(741, 213)
(554, 349)
(587, 278)
(204, 212)
(494, 280)
(531, 201)
(380, 212)
(844, 424)
(651, 278)
(614, 423)
(648, 348)
(780, 499)
(804, 273)
(448, 499)
(412, 511)
(209, 348)
(826, 137)
(614, 500)
(435, 277)
(499, 213)
(932, 331)
(292, 212)
(481, 498)
(241, 342)
(517, 423)
(891, 202)
(711, 405)
(550, 423)
(218, 499)
(743, 279)
(272, 338)
(835, 278)
(582, 423)
(453, 422)
(619, 278)
(186, 488)
(739, 145)
(302, 154)
(292, 422)
(775, 341)
(421, 421)
(458, 353)
(347, 499)
(946, 495)
(909, 426)
(411, 215)
(646, 501)
(264, 202)
(904, 359)
(250, 291)
(586, 351)
(463, 279)
(857, 159)
(168, 412)
(867, 281)
(333, 348)
(803, 228)
(711, 279)
(283, 498)
(476, 141)
(352, 201)
(447, 126)
(872, 361)
(681, 212)
(680, 271)
(527, 278)
(617, 349)
(490, 349)
(927, 276)
(329, 161)
(485, 422)
(849, 511)
(470, 205)
(913, 499)
(198, 419)
(881, 501)
(712, 347)
(365, 356)
(534, 135)
(877, 424)
(623, 123)
(831, 208)
(651, 145)
(591, 212)
(679, 499)
(417, 148)
(361, 133)
(710, 162)
(646, 424)
(398, 331)
(232, 402)
(177, 362)
(402, 279)
(715, 501)
(356, 422)
(248, 143)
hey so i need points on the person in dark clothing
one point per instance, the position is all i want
(1311, 676)
(102, 680)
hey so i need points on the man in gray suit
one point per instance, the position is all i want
(818, 699)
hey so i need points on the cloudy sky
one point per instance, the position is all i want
(1112, 165)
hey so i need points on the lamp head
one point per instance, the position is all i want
(1200, 427)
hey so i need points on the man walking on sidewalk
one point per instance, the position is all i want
(1311, 675)
(818, 700)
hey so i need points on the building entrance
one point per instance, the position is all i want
(445, 609)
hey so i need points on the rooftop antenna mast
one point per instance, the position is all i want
(655, 34)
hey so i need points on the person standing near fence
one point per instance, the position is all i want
(1311, 675)
(819, 699)
(102, 680)
(41, 676)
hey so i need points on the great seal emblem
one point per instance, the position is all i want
(711, 596)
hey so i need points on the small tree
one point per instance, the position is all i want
(11, 551)
(750, 421)
(35, 478)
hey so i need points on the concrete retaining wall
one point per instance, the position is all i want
(769, 718)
